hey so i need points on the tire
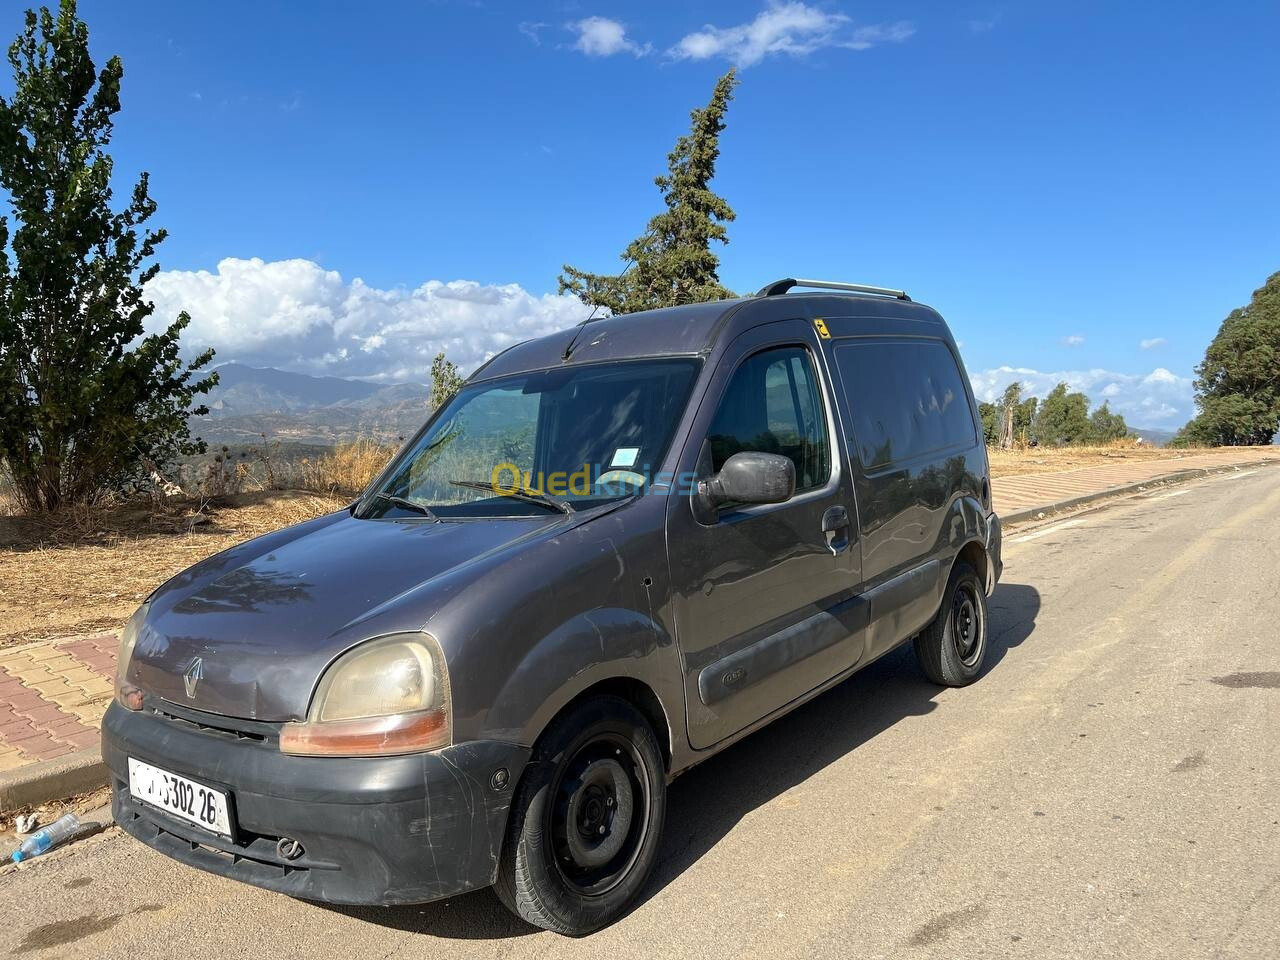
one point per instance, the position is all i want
(586, 820)
(952, 647)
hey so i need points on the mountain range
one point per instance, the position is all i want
(251, 402)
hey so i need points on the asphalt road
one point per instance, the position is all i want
(1109, 788)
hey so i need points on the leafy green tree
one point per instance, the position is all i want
(1105, 426)
(1062, 418)
(445, 381)
(87, 402)
(1238, 383)
(672, 261)
(990, 415)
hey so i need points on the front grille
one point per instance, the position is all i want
(227, 728)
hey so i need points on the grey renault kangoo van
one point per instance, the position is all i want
(618, 550)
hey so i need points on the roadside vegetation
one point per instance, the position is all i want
(1060, 419)
(1238, 383)
(88, 567)
(90, 401)
(342, 470)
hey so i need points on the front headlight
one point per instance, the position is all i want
(387, 696)
(128, 695)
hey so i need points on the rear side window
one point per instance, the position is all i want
(773, 405)
(906, 399)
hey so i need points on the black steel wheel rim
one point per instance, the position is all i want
(968, 628)
(599, 813)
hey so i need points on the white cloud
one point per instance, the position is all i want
(1072, 341)
(298, 316)
(795, 29)
(602, 37)
(983, 26)
(864, 38)
(1152, 343)
(1160, 398)
(533, 30)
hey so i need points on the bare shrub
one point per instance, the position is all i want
(224, 475)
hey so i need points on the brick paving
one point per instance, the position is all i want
(53, 694)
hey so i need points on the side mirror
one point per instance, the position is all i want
(749, 477)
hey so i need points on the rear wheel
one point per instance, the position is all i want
(951, 648)
(586, 820)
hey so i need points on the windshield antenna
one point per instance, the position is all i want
(568, 351)
(577, 333)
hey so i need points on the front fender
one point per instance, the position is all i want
(590, 604)
(607, 643)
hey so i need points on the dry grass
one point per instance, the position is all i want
(344, 470)
(89, 569)
(1008, 463)
(347, 470)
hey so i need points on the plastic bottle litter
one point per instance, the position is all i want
(47, 838)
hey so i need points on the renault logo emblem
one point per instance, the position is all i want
(193, 675)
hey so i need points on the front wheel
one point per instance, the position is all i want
(586, 820)
(951, 648)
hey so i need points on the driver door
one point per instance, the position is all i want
(765, 595)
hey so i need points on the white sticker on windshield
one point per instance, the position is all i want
(625, 457)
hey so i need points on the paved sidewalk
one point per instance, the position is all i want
(1032, 492)
(53, 694)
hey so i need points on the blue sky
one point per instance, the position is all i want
(1063, 181)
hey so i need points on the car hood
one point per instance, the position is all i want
(265, 618)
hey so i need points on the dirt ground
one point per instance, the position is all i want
(1010, 463)
(89, 570)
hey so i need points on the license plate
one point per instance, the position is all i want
(201, 805)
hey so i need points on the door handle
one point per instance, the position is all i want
(835, 527)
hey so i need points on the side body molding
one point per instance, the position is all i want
(743, 668)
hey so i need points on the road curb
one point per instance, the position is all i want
(1178, 476)
(36, 783)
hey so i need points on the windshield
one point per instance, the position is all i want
(548, 443)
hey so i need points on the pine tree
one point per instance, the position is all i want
(86, 401)
(672, 262)
(1238, 383)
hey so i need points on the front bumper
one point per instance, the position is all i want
(386, 830)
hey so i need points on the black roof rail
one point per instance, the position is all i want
(779, 287)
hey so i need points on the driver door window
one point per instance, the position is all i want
(773, 405)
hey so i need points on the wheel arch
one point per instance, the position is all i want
(639, 695)
(975, 554)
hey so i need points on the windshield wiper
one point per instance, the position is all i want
(405, 504)
(548, 500)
